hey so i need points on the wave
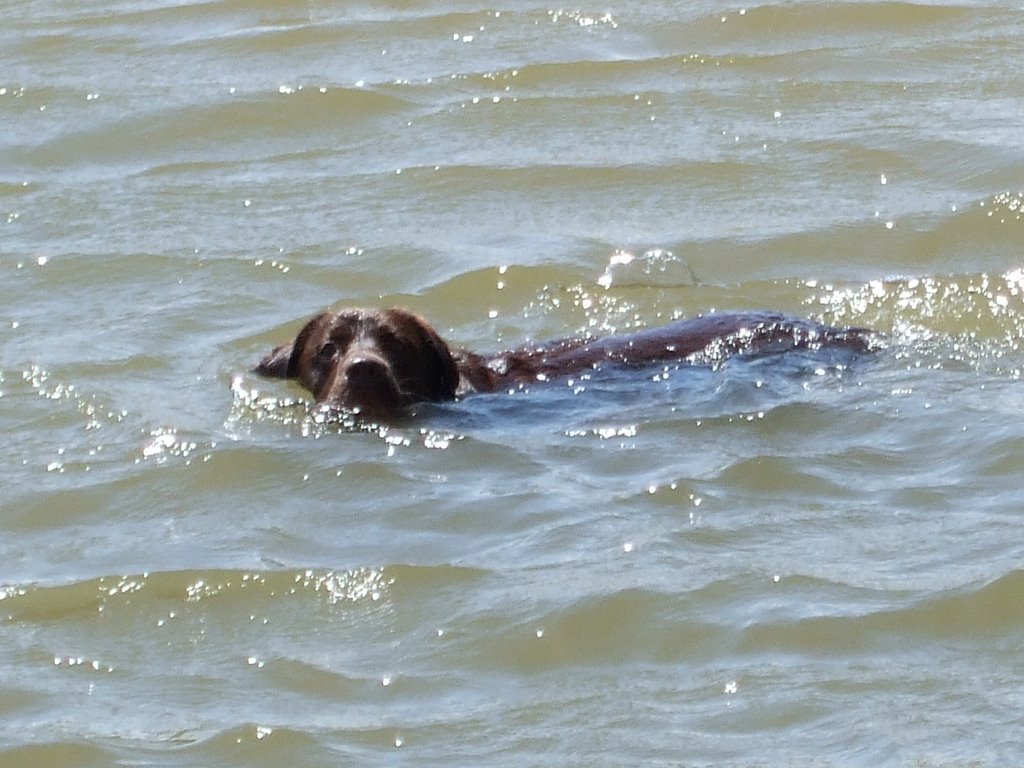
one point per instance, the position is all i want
(977, 613)
(155, 591)
(148, 138)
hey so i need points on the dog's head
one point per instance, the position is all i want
(374, 361)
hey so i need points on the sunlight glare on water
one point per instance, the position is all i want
(799, 558)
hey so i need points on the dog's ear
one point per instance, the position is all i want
(440, 377)
(275, 365)
(285, 361)
(448, 370)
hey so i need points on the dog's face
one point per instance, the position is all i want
(374, 361)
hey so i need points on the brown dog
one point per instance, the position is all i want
(378, 362)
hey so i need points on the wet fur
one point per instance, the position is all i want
(380, 361)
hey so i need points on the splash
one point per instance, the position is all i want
(656, 267)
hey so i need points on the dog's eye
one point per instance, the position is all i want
(395, 344)
(327, 352)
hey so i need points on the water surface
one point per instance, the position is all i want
(788, 562)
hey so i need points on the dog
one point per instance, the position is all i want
(379, 362)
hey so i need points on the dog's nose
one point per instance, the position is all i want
(366, 372)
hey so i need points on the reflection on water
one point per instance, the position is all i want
(800, 558)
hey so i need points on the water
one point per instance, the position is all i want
(799, 561)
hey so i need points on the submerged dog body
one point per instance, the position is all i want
(380, 361)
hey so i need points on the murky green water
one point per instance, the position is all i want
(785, 562)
